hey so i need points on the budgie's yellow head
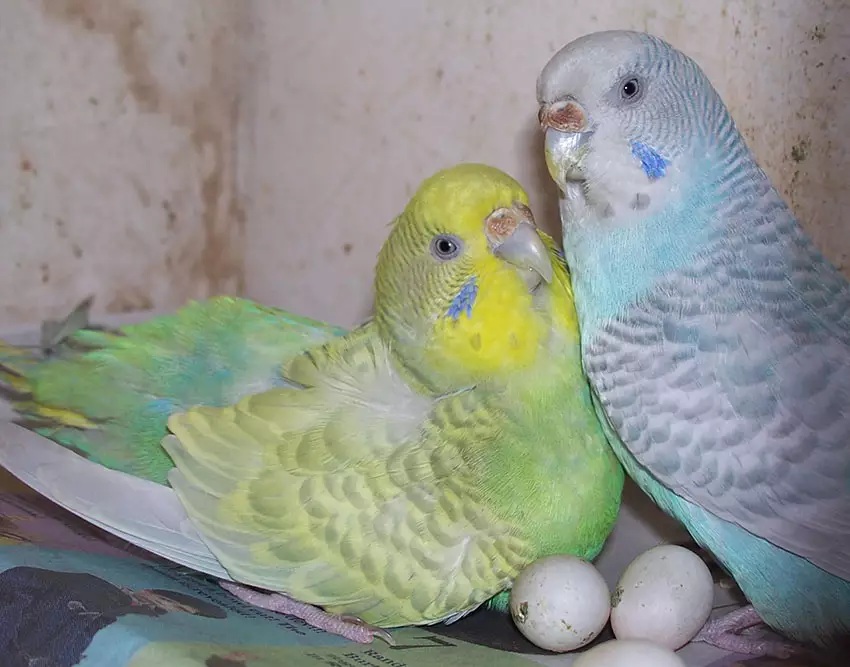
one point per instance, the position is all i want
(464, 281)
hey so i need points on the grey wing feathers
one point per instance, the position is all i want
(144, 513)
(731, 385)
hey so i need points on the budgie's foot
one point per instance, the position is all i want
(349, 627)
(725, 633)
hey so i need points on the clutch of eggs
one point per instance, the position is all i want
(664, 596)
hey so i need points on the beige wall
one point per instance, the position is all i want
(158, 150)
(118, 125)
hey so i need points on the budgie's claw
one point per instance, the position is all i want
(375, 632)
(349, 627)
(725, 633)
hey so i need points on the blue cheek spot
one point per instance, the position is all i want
(654, 166)
(464, 301)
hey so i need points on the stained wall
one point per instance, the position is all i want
(119, 124)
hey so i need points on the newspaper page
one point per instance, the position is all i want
(71, 594)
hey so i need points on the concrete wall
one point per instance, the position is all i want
(118, 153)
(158, 150)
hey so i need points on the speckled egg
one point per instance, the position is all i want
(628, 653)
(665, 595)
(560, 603)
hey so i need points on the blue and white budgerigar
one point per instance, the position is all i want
(715, 336)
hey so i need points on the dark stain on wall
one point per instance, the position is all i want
(210, 115)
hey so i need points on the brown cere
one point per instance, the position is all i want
(568, 118)
(501, 223)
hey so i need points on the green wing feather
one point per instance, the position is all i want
(354, 493)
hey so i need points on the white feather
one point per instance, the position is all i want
(139, 511)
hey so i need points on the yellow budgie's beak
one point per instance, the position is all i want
(513, 237)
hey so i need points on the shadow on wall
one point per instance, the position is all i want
(538, 181)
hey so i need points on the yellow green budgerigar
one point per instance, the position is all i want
(402, 473)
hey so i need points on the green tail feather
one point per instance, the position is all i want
(108, 395)
(500, 602)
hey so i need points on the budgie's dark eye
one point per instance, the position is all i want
(445, 247)
(630, 89)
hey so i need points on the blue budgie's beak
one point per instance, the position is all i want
(568, 130)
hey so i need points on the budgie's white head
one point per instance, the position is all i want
(626, 116)
(650, 164)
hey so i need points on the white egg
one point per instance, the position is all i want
(665, 595)
(628, 653)
(560, 603)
